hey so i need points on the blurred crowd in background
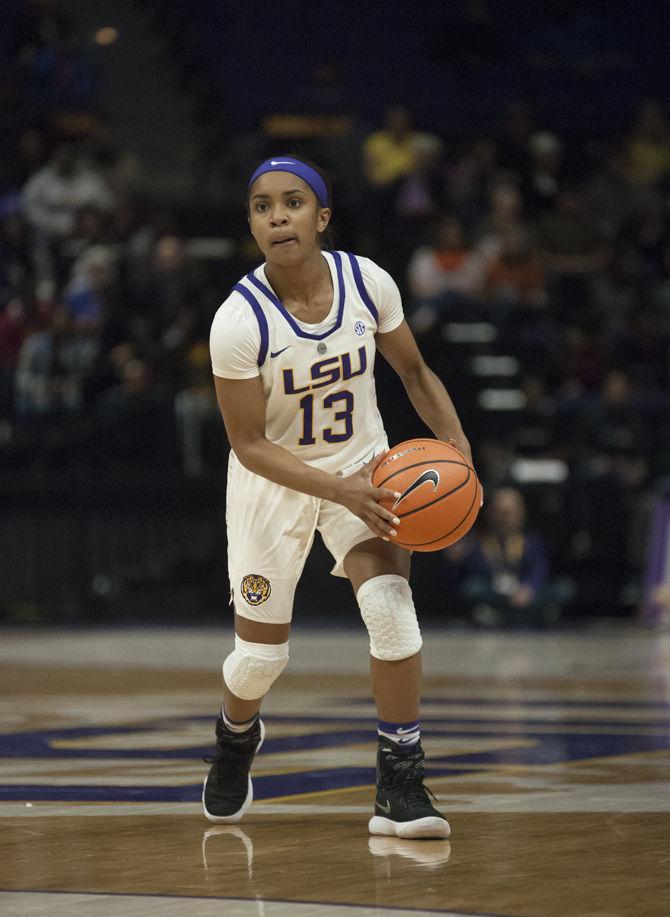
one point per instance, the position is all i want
(534, 265)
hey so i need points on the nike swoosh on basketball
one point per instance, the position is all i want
(426, 477)
(281, 162)
(275, 353)
(386, 807)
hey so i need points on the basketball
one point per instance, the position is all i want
(440, 493)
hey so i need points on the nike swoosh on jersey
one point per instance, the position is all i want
(275, 353)
(426, 477)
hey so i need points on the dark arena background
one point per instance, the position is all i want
(508, 162)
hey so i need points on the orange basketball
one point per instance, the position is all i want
(440, 493)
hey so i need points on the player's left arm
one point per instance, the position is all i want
(428, 395)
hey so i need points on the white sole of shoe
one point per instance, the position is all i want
(236, 816)
(419, 828)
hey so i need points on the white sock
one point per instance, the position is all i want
(233, 726)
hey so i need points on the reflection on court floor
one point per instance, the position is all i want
(550, 754)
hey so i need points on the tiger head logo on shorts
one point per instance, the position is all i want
(255, 588)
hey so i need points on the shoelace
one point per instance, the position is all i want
(406, 779)
(229, 757)
(225, 764)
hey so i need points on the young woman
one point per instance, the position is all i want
(293, 349)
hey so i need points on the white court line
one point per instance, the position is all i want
(47, 904)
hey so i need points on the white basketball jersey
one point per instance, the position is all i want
(318, 381)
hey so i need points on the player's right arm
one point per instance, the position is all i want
(242, 405)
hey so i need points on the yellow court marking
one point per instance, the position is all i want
(433, 778)
(615, 759)
(368, 787)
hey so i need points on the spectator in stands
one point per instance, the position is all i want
(640, 346)
(504, 212)
(611, 195)
(612, 432)
(514, 281)
(86, 296)
(545, 176)
(52, 199)
(420, 196)
(513, 139)
(13, 327)
(196, 411)
(61, 75)
(389, 154)
(391, 157)
(421, 191)
(644, 238)
(660, 296)
(16, 262)
(50, 369)
(444, 277)
(573, 252)
(505, 568)
(533, 431)
(168, 284)
(136, 414)
(30, 155)
(54, 194)
(10, 197)
(471, 178)
(611, 450)
(132, 390)
(92, 228)
(649, 145)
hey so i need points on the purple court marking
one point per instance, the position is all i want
(552, 743)
(330, 904)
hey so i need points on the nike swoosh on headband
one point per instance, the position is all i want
(304, 171)
(426, 477)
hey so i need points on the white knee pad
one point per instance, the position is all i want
(251, 668)
(388, 612)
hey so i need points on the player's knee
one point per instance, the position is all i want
(251, 669)
(388, 612)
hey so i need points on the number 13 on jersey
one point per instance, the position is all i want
(344, 417)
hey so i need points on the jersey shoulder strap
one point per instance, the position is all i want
(260, 318)
(360, 286)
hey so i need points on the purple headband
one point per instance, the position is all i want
(296, 167)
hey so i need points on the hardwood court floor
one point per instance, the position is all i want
(550, 755)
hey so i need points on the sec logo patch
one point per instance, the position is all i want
(359, 328)
(255, 589)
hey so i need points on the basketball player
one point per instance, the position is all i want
(293, 350)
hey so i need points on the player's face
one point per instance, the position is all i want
(285, 217)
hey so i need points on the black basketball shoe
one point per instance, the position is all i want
(227, 793)
(403, 807)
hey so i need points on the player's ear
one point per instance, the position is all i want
(323, 218)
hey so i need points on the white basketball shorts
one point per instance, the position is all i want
(270, 532)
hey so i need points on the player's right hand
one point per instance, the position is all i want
(363, 499)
